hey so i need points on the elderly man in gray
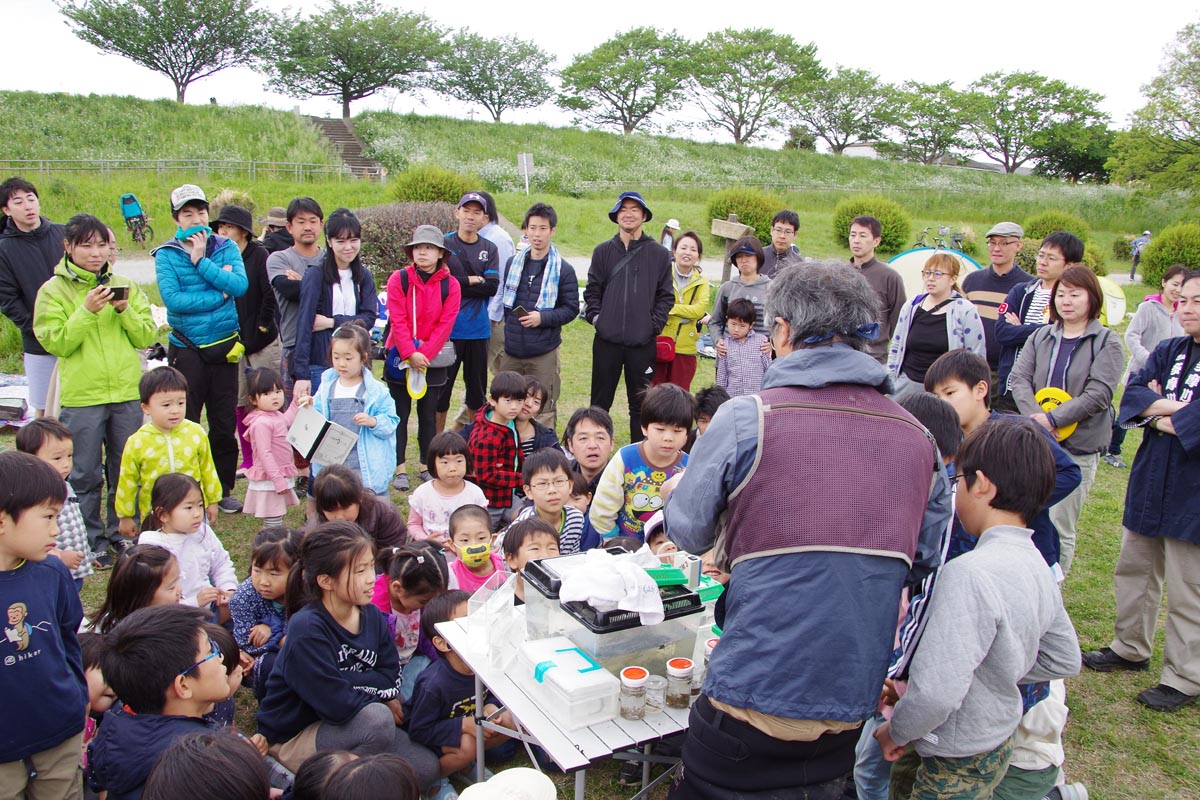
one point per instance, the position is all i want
(790, 684)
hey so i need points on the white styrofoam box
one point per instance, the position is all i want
(567, 683)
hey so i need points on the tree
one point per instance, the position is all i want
(1162, 147)
(746, 82)
(848, 107)
(352, 51)
(498, 74)
(1007, 112)
(800, 138)
(171, 36)
(1074, 152)
(929, 123)
(625, 80)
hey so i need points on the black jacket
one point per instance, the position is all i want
(629, 308)
(522, 342)
(27, 260)
(278, 240)
(257, 307)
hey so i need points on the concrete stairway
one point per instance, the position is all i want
(341, 133)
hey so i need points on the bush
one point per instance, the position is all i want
(426, 183)
(386, 229)
(896, 222)
(230, 197)
(1178, 244)
(1093, 257)
(970, 242)
(1039, 226)
(1122, 247)
(752, 206)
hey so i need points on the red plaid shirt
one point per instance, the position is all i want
(496, 458)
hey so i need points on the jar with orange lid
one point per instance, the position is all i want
(633, 692)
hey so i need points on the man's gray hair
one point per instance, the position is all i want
(822, 298)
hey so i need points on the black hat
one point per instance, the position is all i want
(238, 216)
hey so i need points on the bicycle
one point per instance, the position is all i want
(136, 221)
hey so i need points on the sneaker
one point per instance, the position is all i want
(630, 774)
(1105, 660)
(121, 544)
(424, 476)
(400, 482)
(1114, 461)
(102, 561)
(301, 485)
(1072, 791)
(1165, 698)
(442, 790)
(230, 505)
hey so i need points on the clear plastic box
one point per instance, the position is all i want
(567, 684)
(617, 639)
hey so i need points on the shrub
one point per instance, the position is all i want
(1093, 257)
(970, 242)
(752, 206)
(386, 229)
(1178, 244)
(896, 222)
(426, 183)
(1039, 226)
(1122, 247)
(230, 197)
(1027, 255)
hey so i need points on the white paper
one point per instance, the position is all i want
(320, 440)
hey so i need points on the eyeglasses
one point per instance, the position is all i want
(216, 653)
(1050, 258)
(785, 231)
(939, 274)
(993, 242)
(557, 483)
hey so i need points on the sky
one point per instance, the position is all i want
(1085, 45)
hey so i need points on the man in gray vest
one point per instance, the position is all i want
(828, 498)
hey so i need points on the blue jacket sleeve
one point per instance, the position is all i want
(168, 261)
(311, 287)
(233, 281)
(1007, 333)
(938, 510)
(1067, 474)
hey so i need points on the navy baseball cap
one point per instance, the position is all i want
(472, 197)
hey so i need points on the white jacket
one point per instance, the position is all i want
(203, 560)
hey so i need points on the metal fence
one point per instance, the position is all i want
(205, 167)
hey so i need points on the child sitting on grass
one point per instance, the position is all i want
(548, 481)
(630, 488)
(257, 609)
(996, 620)
(410, 577)
(495, 453)
(528, 540)
(471, 539)
(339, 496)
(51, 441)
(441, 714)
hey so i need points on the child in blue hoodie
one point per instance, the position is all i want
(167, 674)
(41, 678)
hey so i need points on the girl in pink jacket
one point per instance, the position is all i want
(273, 473)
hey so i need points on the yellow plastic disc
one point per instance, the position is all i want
(1051, 398)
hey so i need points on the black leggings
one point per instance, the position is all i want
(426, 412)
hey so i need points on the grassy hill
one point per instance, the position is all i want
(66, 126)
(575, 163)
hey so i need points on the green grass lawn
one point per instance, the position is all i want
(1119, 749)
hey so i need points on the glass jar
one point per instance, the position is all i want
(633, 692)
(702, 669)
(656, 693)
(679, 682)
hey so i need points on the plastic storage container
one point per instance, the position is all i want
(567, 684)
(544, 615)
(617, 639)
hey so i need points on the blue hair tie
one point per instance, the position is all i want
(868, 331)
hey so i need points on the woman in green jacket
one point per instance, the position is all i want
(691, 304)
(96, 323)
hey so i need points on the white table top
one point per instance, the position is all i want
(570, 749)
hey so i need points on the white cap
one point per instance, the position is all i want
(673, 223)
(514, 783)
(186, 194)
(680, 668)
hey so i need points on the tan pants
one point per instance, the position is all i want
(1141, 568)
(1065, 513)
(59, 776)
(546, 368)
(496, 347)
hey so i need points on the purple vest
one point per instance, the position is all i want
(846, 471)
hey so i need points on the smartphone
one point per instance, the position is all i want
(119, 292)
(520, 311)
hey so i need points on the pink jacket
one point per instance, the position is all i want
(266, 431)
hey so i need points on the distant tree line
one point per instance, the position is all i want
(745, 83)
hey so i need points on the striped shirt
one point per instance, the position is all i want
(570, 530)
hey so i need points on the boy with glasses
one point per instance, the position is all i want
(548, 484)
(1027, 307)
